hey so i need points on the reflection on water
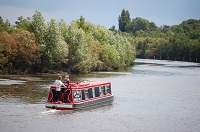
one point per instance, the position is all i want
(152, 95)
(10, 82)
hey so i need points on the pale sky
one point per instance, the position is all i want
(103, 12)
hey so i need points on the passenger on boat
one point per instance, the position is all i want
(58, 85)
(67, 81)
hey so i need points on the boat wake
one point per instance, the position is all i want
(50, 111)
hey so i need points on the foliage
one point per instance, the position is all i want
(5, 26)
(94, 47)
(80, 47)
(55, 50)
(23, 23)
(124, 20)
(39, 27)
(177, 42)
(20, 52)
(34, 45)
(174, 48)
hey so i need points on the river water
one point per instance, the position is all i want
(151, 96)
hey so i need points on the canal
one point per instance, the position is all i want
(151, 96)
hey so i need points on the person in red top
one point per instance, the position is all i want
(67, 81)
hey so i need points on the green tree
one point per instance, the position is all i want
(62, 27)
(78, 50)
(23, 23)
(5, 26)
(139, 24)
(124, 20)
(55, 51)
(39, 27)
(191, 28)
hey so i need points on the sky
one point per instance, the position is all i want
(103, 12)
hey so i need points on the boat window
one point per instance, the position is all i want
(86, 94)
(90, 93)
(108, 89)
(77, 95)
(102, 91)
(97, 94)
(83, 94)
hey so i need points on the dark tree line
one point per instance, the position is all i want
(177, 42)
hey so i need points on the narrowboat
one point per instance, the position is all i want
(81, 95)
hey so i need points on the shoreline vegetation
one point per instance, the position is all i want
(33, 45)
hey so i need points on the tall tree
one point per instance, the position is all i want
(56, 50)
(62, 27)
(124, 20)
(39, 27)
(78, 50)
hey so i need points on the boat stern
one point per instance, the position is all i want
(59, 106)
